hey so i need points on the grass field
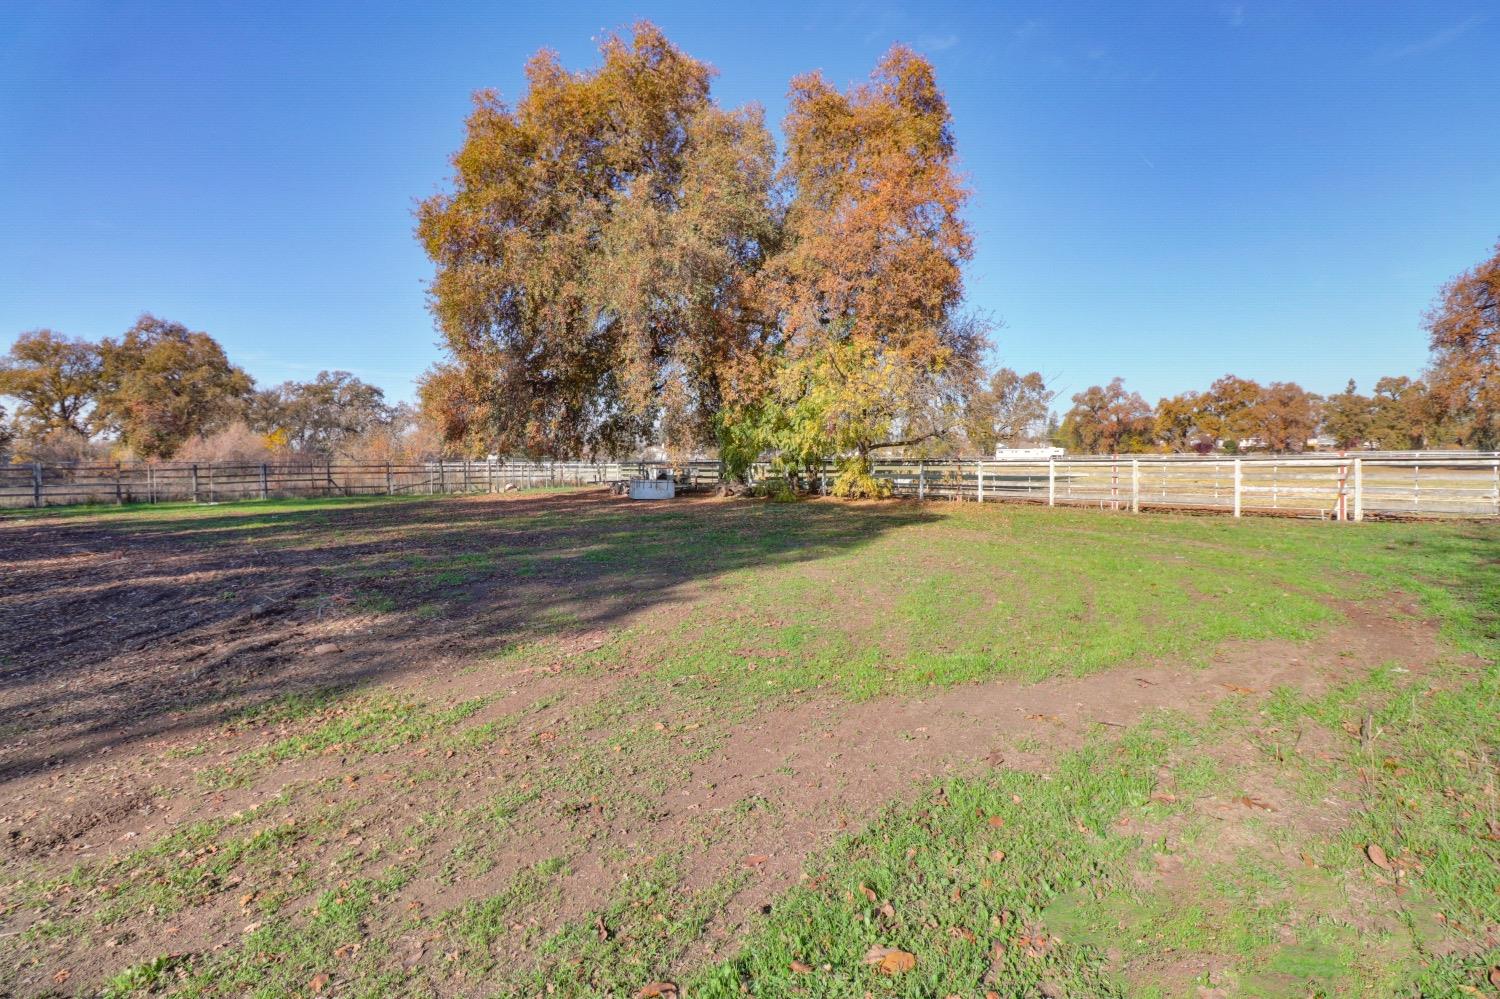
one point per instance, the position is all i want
(566, 745)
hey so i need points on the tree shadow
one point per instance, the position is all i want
(130, 628)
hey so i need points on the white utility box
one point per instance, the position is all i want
(652, 489)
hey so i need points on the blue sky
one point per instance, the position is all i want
(1162, 191)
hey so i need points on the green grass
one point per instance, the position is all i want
(739, 610)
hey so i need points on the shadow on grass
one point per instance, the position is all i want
(132, 626)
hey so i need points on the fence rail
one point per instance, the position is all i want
(1353, 487)
(36, 485)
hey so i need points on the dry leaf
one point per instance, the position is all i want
(1377, 857)
(998, 856)
(801, 969)
(1233, 688)
(890, 960)
(868, 893)
(996, 821)
(319, 983)
(658, 990)
(1250, 802)
(1495, 976)
(61, 976)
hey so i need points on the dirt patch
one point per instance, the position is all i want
(123, 687)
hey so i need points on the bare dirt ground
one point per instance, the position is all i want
(129, 656)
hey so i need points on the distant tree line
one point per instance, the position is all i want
(1237, 414)
(162, 391)
(1456, 404)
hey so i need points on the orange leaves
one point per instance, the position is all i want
(890, 960)
(658, 990)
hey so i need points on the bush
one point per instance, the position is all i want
(236, 443)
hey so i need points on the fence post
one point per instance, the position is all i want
(979, 477)
(265, 483)
(1135, 485)
(195, 483)
(1051, 481)
(921, 479)
(150, 484)
(388, 490)
(119, 492)
(442, 475)
(1359, 490)
(1238, 480)
(36, 484)
(1497, 487)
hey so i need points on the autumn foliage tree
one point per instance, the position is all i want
(1010, 407)
(320, 416)
(867, 286)
(55, 378)
(1178, 424)
(1464, 327)
(161, 383)
(596, 254)
(1108, 419)
(1284, 417)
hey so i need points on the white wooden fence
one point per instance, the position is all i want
(1455, 484)
(1336, 487)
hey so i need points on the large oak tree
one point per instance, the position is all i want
(868, 285)
(55, 378)
(595, 257)
(163, 383)
(1464, 326)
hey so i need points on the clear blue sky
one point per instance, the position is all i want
(1162, 191)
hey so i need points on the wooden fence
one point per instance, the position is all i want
(35, 485)
(1353, 487)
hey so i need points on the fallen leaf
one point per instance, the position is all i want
(1235, 689)
(601, 929)
(1164, 797)
(996, 821)
(756, 859)
(1377, 857)
(890, 960)
(801, 969)
(868, 893)
(1250, 802)
(658, 990)
(61, 976)
(319, 983)
(998, 856)
(1495, 976)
